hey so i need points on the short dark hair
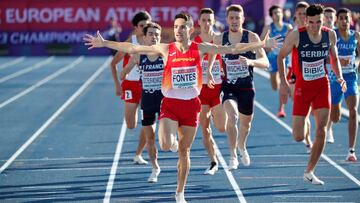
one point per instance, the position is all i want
(140, 16)
(234, 7)
(329, 10)
(188, 19)
(206, 11)
(314, 9)
(151, 25)
(301, 4)
(342, 10)
(272, 8)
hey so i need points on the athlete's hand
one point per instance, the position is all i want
(211, 81)
(94, 42)
(284, 92)
(245, 62)
(342, 83)
(272, 43)
(118, 90)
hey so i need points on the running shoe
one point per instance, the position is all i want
(330, 136)
(244, 157)
(281, 113)
(180, 198)
(212, 169)
(175, 146)
(308, 148)
(351, 156)
(138, 159)
(233, 163)
(310, 177)
(154, 175)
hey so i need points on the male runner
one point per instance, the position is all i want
(130, 88)
(312, 44)
(181, 85)
(210, 97)
(151, 72)
(348, 41)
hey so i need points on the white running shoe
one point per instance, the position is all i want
(351, 157)
(175, 146)
(138, 159)
(330, 136)
(308, 148)
(310, 177)
(244, 157)
(212, 169)
(233, 163)
(154, 175)
(180, 198)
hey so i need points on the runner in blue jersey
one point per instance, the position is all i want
(151, 72)
(348, 42)
(277, 28)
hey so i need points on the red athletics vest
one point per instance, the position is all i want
(216, 69)
(182, 73)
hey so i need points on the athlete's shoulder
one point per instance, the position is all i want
(253, 36)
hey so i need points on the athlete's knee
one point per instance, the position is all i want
(184, 152)
(352, 113)
(165, 144)
(298, 136)
(220, 127)
(130, 124)
(206, 131)
(232, 120)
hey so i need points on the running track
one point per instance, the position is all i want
(63, 139)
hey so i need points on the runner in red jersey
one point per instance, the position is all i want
(312, 46)
(181, 85)
(210, 97)
(130, 88)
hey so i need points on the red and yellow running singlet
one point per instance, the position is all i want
(182, 73)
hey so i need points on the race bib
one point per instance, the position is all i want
(184, 77)
(236, 69)
(350, 67)
(215, 70)
(151, 80)
(313, 70)
(128, 95)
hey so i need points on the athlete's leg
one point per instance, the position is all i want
(274, 80)
(149, 132)
(232, 113)
(321, 117)
(352, 104)
(298, 125)
(186, 138)
(219, 117)
(245, 125)
(167, 132)
(207, 138)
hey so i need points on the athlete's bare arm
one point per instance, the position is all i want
(335, 63)
(291, 41)
(116, 59)
(98, 42)
(357, 36)
(261, 60)
(265, 30)
(134, 60)
(238, 47)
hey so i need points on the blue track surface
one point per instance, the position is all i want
(59, 141)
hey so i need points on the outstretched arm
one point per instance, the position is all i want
(127, 47)
(240, 47)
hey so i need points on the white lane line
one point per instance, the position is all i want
(324, 156)
(26, 70)
(41, 82)
(56, 114)
(229, 175)
(11, 63)
(309, 196)
(115, 163)
(343, 111)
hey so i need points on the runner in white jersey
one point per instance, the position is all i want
(130, 88)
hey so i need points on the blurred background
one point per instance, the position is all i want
(49, 27)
